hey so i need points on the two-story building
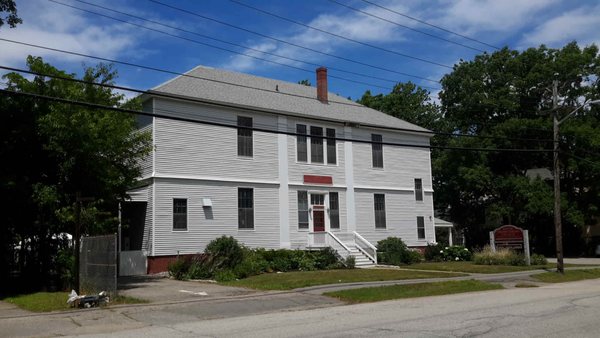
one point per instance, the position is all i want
(275, 165)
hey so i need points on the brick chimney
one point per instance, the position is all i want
(322, 84)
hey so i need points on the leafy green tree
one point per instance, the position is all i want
(10, 8)
(55, 151)
(305, 82)
(507, 94)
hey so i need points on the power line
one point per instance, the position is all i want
(271, 131)
(406, 27)
(291, 43)
(429, 24)
(196, 100)
(247, 47)
(340, 36)
(203, 43)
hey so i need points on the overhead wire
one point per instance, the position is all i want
(272, 131)
(291, 43)
(329, 67)
(198, 100)
(206, 44)
(435, 63)
(405, 27)
(430, 24)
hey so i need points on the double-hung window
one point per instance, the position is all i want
(302, 210)
(301, 147)
(321, 152)
(179, 214)
(420, 227)
(377, 150)
(379, 211)
(244, 136)
(418, 189)
(245, 208)
(316, 144)
(334, 210)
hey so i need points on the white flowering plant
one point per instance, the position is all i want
(438, 252)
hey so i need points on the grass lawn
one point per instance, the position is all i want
(299, 279)
(469, 267)
(381, 293)
(569, 276)
(57, 301)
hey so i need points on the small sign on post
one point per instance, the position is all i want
(511, 237)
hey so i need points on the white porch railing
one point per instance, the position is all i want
(327, 239)
(342, 242)
(365, 246)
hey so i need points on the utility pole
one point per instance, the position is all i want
(77, 238)
(557, 214)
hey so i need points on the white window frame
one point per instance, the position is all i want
(422, 193)
(187, 214)
(253, 209)
(385, 227)
(424, 232)
(237, 137)
(308, 146)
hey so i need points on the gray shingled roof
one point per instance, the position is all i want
(270, 99)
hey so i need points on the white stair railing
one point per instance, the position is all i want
(365, 247)
(337, 245)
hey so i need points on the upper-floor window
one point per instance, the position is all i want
(418, 189)
(377, 150)
(319, 151)
(179, 214)
(301, 143)
(331, 153)
(245, 208)
(316, 144)
(379, 211)
(420, 227)
(244, 136)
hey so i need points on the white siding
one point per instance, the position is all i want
(401, 216)
(206, 224)
(401, 165)
(298, 237)
(195, 149)
(297, 170)
(146, 163)
(147, 239)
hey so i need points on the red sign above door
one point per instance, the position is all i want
(315, 179)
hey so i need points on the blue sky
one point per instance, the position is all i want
(518, 24)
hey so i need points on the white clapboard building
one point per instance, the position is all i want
(275, 165)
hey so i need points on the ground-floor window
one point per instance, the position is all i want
(179, 214)
(245, 208)
(379, 211)
(334, 210)
(421, 227)
(302, 210)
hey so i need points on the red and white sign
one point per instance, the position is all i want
(508, 233)
(315, 179)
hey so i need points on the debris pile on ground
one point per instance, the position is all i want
(85, 301)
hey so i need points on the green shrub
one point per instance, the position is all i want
(252, 264)
(537, 259)
(502, 256)
(434, 252)
(415, 256)
(225, 275)
(392, 250)
(200, 268)
(326, 259)
(227, 252)
(178, 269)
(456, 253)
(350, 262)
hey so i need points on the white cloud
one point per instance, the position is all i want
(52, 25)
(348, 23)
(580, 24)
(470, 17)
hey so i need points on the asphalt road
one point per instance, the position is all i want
(561, 310)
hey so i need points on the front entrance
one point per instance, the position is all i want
(317, 202)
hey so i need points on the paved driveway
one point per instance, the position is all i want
(164, 290)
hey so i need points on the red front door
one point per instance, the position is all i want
(318, 219)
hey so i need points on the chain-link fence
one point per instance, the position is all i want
(98, 265)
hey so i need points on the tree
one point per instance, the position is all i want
(505, 94)
(55, 151)
(305, 82)
(11, 17)
(408, 102)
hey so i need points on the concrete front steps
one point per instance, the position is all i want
(360, 259)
